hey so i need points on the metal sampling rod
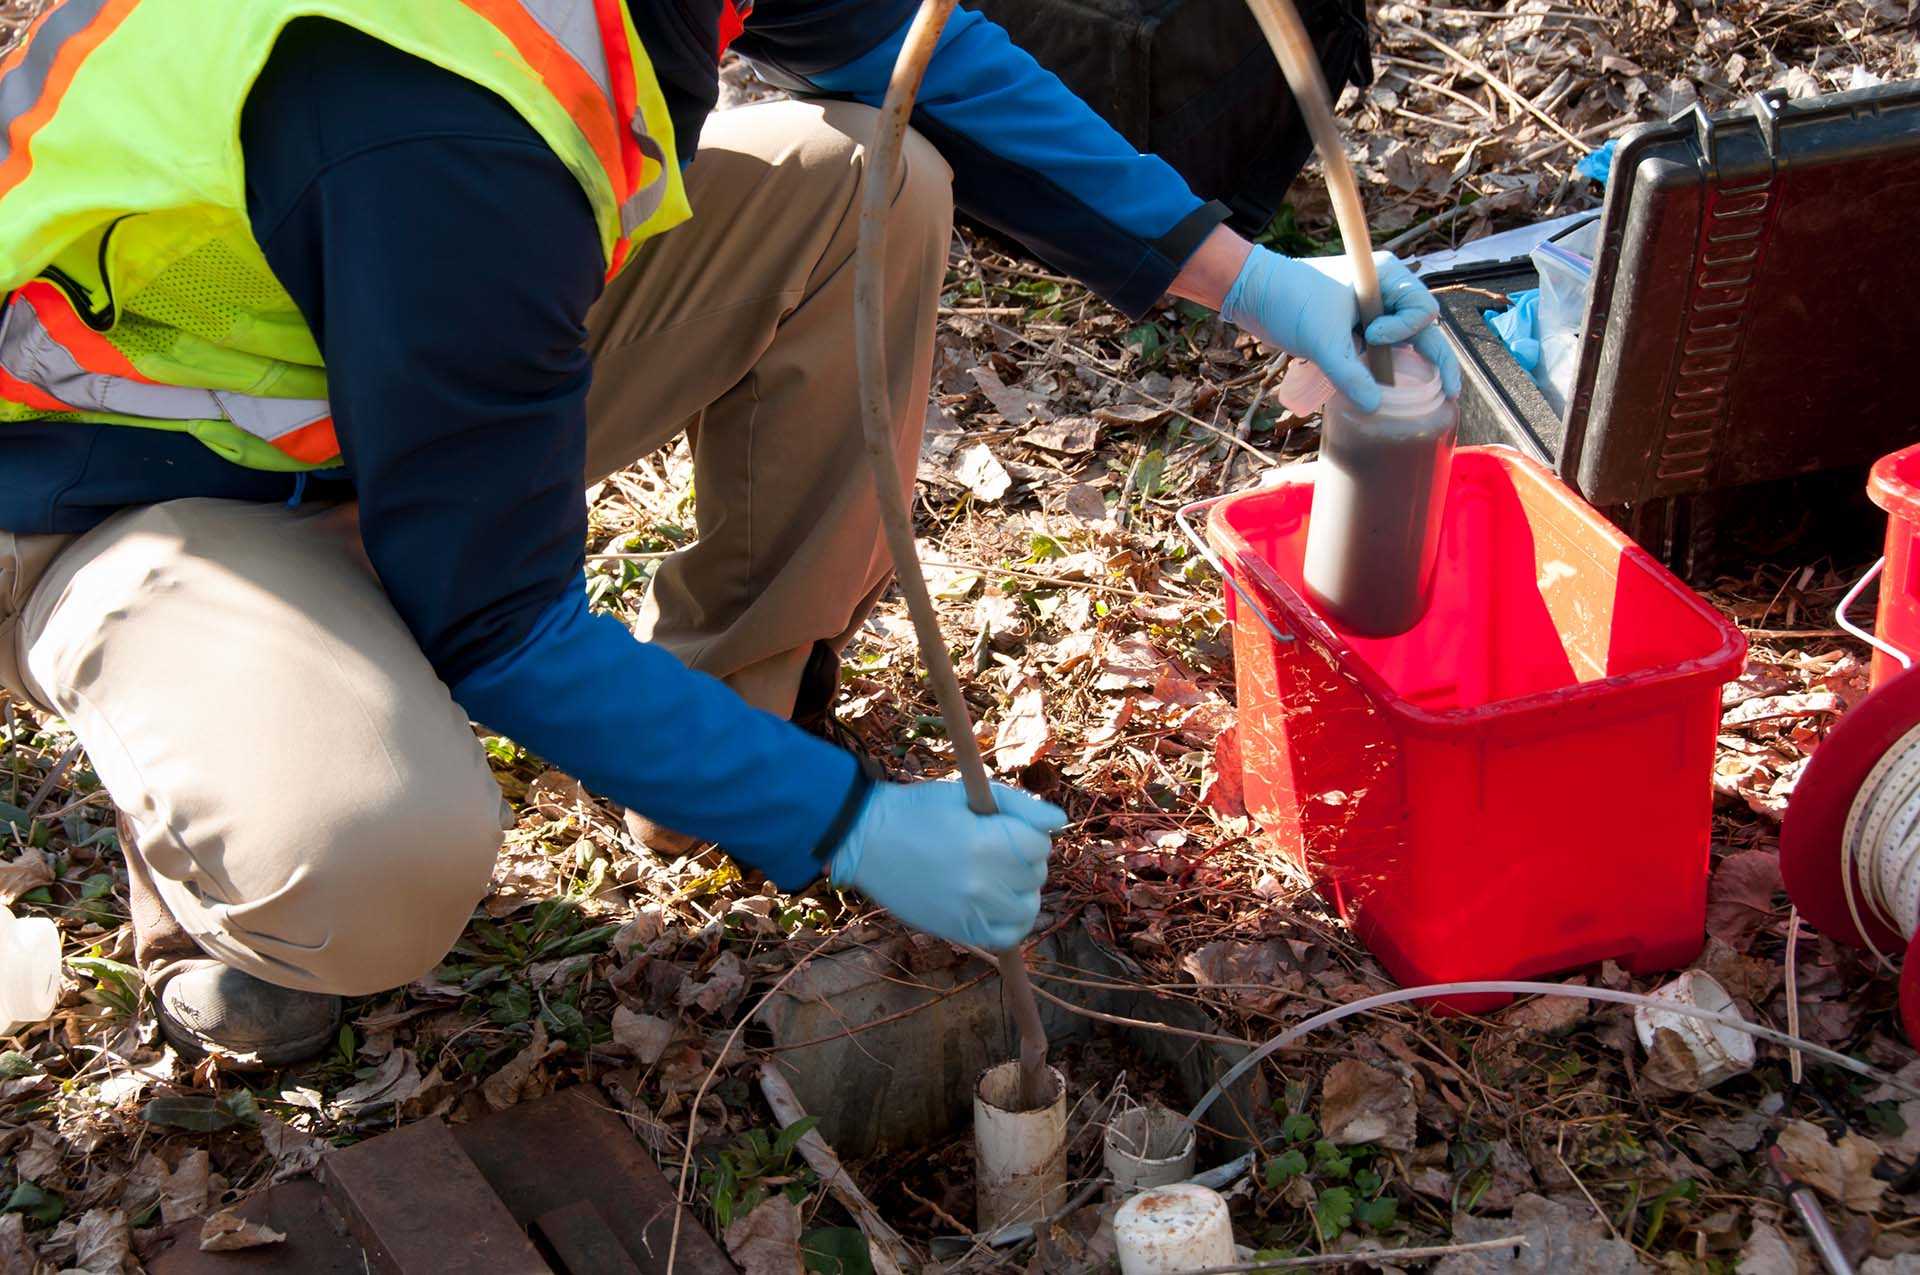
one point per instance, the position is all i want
(877, 420)
(1287, 34)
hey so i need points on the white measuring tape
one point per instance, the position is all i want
(1880, 848)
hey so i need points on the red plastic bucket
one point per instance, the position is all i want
(1894, 485)
(1523, 782)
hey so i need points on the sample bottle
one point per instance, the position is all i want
(1378, 495)
(29, 969)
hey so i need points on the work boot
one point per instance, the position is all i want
(202, 1006)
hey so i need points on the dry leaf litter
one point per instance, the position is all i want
(1060, 439)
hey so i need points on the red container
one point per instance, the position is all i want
(1522, 783)
(1894, 485)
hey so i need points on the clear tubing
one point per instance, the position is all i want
(1329, 1017)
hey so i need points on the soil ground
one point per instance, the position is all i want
(1061, 440)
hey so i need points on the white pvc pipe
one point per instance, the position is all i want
(1147, 1147)
(1172, 1229)
(1019, 1156)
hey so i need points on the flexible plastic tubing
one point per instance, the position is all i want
(1405, 994)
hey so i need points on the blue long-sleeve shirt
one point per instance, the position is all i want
(446, 260)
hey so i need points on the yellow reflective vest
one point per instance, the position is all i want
(135, 291)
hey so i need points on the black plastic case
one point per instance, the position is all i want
(1752, 316)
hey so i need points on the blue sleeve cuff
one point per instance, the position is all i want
(635, 725)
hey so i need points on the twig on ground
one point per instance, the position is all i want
(1088, 360)
(1498, 85)
(700, 1096)
(1372, 1257)
(888, 1252)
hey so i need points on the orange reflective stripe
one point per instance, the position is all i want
(619, 258)
(89, 349)
(565, 78)
(626, 108)
(313, 444)
(733, 21)
(45, 64)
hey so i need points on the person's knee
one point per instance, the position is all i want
(399, 887)
(925, 197)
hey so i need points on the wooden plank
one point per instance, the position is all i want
(316, 1243)
(570, 1147)
(582, 1241)
(420, 1206)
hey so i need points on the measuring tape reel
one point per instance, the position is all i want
(1850, 841)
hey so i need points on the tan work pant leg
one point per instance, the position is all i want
(738, 328)
(313, 806)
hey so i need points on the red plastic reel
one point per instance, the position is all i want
(1910, 991)
(1816, 819)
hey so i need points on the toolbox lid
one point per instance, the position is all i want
(1746, 321)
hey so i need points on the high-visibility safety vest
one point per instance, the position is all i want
(136, 293)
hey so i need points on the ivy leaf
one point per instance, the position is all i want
(836, 1250)
(1378, 1214)
(41, 1206)
(1284, 1167)
(1297, 1127)
(1329, 1162)
(196, 1113)
(1333, 1212)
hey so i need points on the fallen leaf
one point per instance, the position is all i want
(29, 871)
(294, 1152)
(1256, 975)
(1000, 617)
(1132, 414)
(981, 473)
(722, 989)
(1740, 896)
(1561, 1240)
(226, 1231)
(646, 926)
(1084, 503)
(41, 1158)
(1130, 662)
(557, 794)
(1361, 1103)
(1018, 406)
(1024, 735)
(1766, 708)
(645, 1036)
(1224, 789)
(1767, 1252)
(15, 1257)
(1841, 1171)
(508, 1085)
(1546, 1014)
(183, 1191)
(102, 1244)
(1070, 435)
(395, 1080)
(767, 1240)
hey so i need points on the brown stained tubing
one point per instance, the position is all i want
(869, 333)
(1280, 21)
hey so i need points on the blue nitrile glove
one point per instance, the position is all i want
(1597, 166)
(1307, 308)
(1518, 327)
(918, 852)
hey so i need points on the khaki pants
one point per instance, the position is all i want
(311, 802)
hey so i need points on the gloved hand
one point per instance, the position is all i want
(1307, 308)
(918, 852)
